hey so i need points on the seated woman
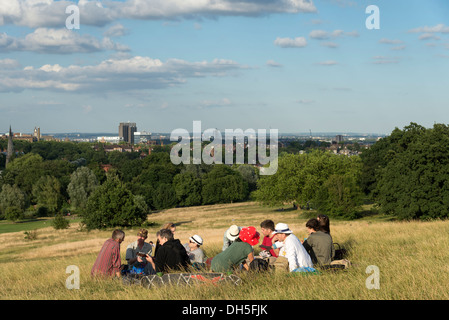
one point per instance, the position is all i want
(239, 252)
(319, 244)
(195, 253)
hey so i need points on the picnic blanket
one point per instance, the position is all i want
(180, 279)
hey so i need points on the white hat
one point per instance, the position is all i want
(281, 228)
(197, 239)
(233, 232)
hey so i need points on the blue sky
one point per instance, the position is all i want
(291, 65)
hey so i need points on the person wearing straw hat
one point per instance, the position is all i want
(230, 235)
(292, 249)
(239, 252)
(195, 253)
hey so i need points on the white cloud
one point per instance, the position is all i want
(272, 63)
(50, 13)
(389, 41)
(328, 63)
(157, 9)
(298, 42)
(9, 64)
(325, 35)
(439, 28)
(117, 30)
(429, 36)
(332, 45)
(219, 103)
(136, 73)
(57, 41)
(384, 60)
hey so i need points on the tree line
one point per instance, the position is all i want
(45, 182)
(404, 175)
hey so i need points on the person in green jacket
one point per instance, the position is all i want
(239, 252)
(319, 244)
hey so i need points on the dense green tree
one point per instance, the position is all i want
(223, 185)
(380, 153)
(415, 181)
(249, 174)
(82, 183)
(25, 171)
(11, 196)
(188, 189)
(164, 196)
(13, 213)
(47, 193)
(339, 196)
(306, 179)
(112, 205)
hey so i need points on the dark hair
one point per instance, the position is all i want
(267, 224)
(166, 233)
(324, 223)
(313, 224)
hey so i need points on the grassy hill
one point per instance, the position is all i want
(411, 256)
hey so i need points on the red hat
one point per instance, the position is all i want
(249, 235)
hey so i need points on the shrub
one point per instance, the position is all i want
(13, 213)
(59, 222)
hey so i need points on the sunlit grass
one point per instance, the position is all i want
(411, 256)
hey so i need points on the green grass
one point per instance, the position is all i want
(27, 225)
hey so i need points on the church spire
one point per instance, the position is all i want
(10, 151)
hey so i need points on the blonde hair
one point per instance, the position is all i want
(142, 233)
(169, 225)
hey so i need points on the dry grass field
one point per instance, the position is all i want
(411, 256)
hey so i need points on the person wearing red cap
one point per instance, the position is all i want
(239, 252)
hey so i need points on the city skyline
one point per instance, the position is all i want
(293, 65)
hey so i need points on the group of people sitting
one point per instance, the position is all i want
(280, 248)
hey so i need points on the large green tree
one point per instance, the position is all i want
(320, 179)
(112, 205)
(415, 181)
(47, 193)
(82, 183)
(188, 189)
(11, 196)
(223, 185)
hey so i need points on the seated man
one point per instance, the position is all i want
(138, 246)
(267, 227)
(108, 262)
(292, 249)
(319, 244)
(171, 255)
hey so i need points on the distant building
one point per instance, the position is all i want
(37, 133)
(338, 138)
(109, 139)
(126, 131)
(142, 137)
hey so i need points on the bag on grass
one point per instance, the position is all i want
(340, 252)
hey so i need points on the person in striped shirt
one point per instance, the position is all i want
(108, 261)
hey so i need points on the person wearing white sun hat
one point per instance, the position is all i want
(230, 235)
(292, 249)
(195, 253)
